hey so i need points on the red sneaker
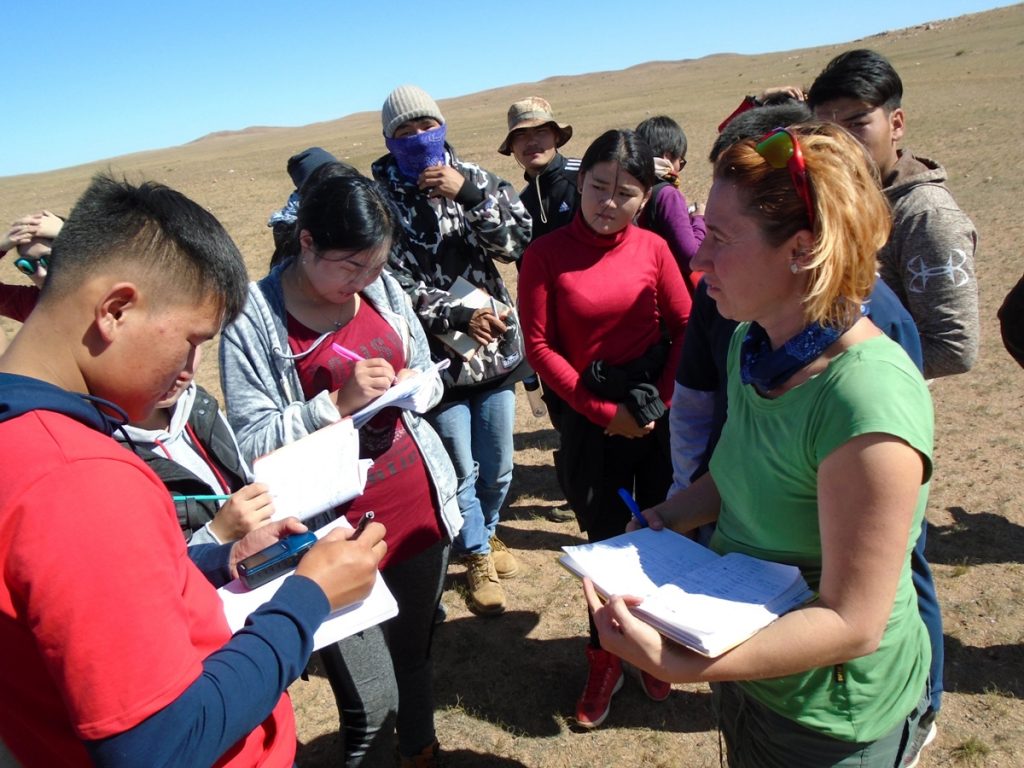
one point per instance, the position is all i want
(656, 690)
(604, 679)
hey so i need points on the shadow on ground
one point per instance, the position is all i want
(324, 751)
(532, 481)
(568, 534)
(532, 685)
(538, 439)
(995, 669)
(975, 538)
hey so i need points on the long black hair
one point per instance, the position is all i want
(626, 148)
(348, 213)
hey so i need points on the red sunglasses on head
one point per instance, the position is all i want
(780, 149)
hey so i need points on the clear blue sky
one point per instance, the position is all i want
(88, 80)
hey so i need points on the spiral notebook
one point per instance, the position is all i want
(705, 601)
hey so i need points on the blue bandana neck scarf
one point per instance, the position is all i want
(768, 369)
(414, 154)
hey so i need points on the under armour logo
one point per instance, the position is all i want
(953, 269)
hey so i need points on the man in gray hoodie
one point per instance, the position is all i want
(929, 259)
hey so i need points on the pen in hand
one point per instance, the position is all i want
(634, 508)
(363, 522)
(347, 353)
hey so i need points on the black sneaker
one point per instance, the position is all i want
(560, 515)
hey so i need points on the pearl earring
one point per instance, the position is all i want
(793, 267)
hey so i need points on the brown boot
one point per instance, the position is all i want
(485, 593)
(427, 758)
(505, 562)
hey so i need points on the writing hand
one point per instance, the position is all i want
(370, 379)
(485, 326)
(246, 510)
(345, 567)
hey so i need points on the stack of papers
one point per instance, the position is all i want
(707, 602)
(379, 606)
(319, 472)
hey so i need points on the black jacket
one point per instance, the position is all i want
(552, 197)
(215, 437)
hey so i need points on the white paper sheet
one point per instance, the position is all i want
(316, 473)
(411, 393)
(379, 605)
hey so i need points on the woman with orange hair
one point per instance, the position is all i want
(823, 463)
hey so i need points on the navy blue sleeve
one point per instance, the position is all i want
(213, 560)
(893, 319)
(239, 687)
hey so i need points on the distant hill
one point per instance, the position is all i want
(242, 132)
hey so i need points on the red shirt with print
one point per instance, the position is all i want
(398, 488)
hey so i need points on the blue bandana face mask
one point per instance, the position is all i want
(418, 152)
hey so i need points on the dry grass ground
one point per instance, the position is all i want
(506, 686)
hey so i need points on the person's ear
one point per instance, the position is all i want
(897, 123)
(306, 242)
(579, 182)
(803, 246)
(643, 204)
(113, 308)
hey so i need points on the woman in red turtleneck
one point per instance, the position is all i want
(603, 310)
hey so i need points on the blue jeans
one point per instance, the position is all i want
(477, 433)
(931, 615)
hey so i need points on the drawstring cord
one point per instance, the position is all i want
(225, 486)
(540, 200)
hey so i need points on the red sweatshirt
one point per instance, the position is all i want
(586, 297)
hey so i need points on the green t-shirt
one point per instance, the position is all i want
(766, 466)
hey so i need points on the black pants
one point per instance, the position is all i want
(594, 466)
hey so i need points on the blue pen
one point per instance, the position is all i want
(627, 497)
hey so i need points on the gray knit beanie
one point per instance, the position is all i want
(405, 103)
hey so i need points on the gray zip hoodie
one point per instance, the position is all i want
(266, 406)
(929, 263)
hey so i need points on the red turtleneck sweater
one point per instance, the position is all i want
(586, 297)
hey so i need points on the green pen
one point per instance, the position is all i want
(202, 497)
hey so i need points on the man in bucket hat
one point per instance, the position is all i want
(550, 195)
(534, 137)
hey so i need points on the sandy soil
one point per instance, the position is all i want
(506, 686)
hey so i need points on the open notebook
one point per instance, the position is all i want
(379, 605)
(318, 472)
(705, 601)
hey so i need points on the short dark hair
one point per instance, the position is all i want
(755, 123)
(286, 237)
(860, 74)
(349, 213)
(626, 148)
(664, 135)
(154, 229)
